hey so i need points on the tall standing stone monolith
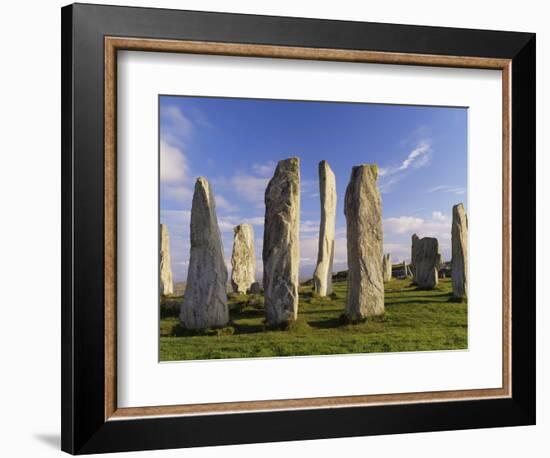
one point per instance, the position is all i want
(414, 240)
(363, 210)
(387, 267)
(281, 249)
(243, 258)
(322, 277)
(459, 262)
(205, 299)
(427, 260)
(166, 283)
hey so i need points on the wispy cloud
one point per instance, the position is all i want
(250, 187)
(419, 157)
(309, 188)
(264, 170)
(448, 189)
(173, 164)
(386, 185)
(309, 226)
(179, 194)
(176, 127)
(223, 204)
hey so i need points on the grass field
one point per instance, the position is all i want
(414, 321)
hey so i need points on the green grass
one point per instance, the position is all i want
(414, 321)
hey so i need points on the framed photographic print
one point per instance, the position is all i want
(282, 228)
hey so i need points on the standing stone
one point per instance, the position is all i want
(255, 288)
(407, 268)
(322, 277)
(166, 283)
(427, 259)
(415, 240)
(386, 267)
(281, 250)
(243, 258)
(363, 210)
(459, 262)
(440, 262)
(205, 299)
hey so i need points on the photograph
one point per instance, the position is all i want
(283, 226)
(306, 228)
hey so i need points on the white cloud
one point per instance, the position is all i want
(398, 251)
(250, 187)
(386, 186)
(402, 224)
(309, 226)
(176, 122)
(175, 217)
(308, 250)
(438, 216)
(264, 170)
(223, 204)
(438, 226)
(177, 193)
(173, 164)
(398, 231)
(309, 187)
(419, 157)
(458, 190)
(309, 247)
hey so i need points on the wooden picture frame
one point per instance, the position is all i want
(91, 37)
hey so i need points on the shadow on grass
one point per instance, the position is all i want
(244, 328)
(414, 302)
(246, 313)
(428, 292)
(326, 324)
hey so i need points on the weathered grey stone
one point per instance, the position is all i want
(408, 270)
(205, 300)
(387, 267)
(363, 210)
(459, 269)
(414, 240)
(255, 288)
(427, 259)
(322, 277)
(281, 249)
(439, 261)
(243, 258)
(166, 283)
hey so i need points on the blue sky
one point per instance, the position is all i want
(236, 143)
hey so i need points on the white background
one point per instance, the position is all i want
(30, 233)
(142, 76)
